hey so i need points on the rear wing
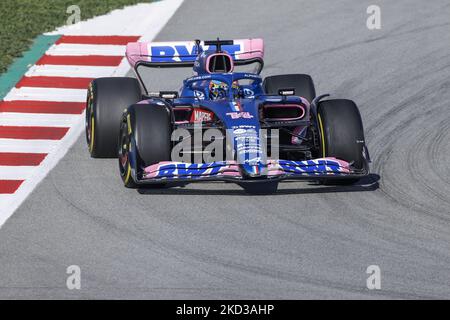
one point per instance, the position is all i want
(184, 53)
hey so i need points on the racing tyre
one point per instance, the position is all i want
(107, 98)
(144, 139)
(301, 83)
(342, 134)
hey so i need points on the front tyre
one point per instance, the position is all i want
(341, 134)
(144, 139)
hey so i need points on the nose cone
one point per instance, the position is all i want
(241, 120)
(250, 152)
(253, 170)
(249, 146)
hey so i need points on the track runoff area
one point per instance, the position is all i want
(42, 110)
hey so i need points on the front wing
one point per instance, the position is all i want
(276, 170)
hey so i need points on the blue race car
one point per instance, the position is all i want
(222, 124)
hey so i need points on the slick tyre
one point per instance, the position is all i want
(144, 139)
(341, 134)
(107, 99)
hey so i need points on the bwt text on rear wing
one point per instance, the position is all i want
(184, 53)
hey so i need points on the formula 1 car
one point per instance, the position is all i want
(183, 136)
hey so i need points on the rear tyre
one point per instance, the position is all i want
(144, 139)
(301, 83)
(107, 98)
(342, 134)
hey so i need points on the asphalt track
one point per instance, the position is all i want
(211, 240)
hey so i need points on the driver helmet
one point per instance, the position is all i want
(217, 90)
(236, 90)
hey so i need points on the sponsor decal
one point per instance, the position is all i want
(188, 170)
(243, 126)
(245, 129)
(239, 115)
(200, 115)
(311, 166)
(200, 78)
(199, 94)
(182, 52)
(239, 131)
(255, 160)
(275, 167)
(252, 76)
(248, 93)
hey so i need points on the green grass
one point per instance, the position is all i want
(22, 20)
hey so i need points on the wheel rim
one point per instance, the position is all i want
(90, 123)
(322, 136)
(124, 145)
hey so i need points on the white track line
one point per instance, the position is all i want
(37, 119)
(33, 146)
(17, 172)
(47, 94)
(48, 70)
(6, 199)
(68, 49)
(143, 20)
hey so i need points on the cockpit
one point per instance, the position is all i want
(218, 62)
